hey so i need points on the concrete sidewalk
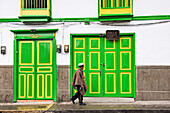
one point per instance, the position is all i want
(68, 107)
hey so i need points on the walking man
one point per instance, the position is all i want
(79, 84)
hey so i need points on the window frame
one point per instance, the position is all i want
(117, 11)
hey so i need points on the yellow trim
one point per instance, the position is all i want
(125, 47)
(41, 3)
(111, 3)
(79, 39)
(22, 84)
(90, 61)
(36, 3)
(35, 12)
(104, 3)
(130, 89)
(15, 35)
(38, 69)
(116, 11)
(38, 56)
(108, 59)
(117, 3)
(122, 2)
(38, 86)
(98, 83)
(31, 3)
(94, 39)
(113, 44)
(129, 60)
(26, 67)
(31, 108)
(28, 86)
(20, 42)
(113, 86)
(76, 61)
(50, 86)
(53, 34)
(126, 3)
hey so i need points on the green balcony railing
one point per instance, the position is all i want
(105, 4)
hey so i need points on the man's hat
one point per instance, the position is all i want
(80, 64)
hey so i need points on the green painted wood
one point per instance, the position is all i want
(35, 70)
(26, 68)
(15, 72)
(109, 65)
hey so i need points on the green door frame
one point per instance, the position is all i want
(34, 34)
(98, 35)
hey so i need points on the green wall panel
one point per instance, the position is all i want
(44, 52)
(79, 43)
(125, 60)
(110, 60)
(94, 60)
(125, 83)
(110, 83)
(26, 52)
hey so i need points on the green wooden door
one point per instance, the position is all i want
(35, 69)
(109, 65)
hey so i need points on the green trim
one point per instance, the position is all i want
(15, 72)
(93, 19)
(36, 18)
(55, 71)
(71, 62)
(134, 70)
(154, 17)
(37, 31)
(10, 20)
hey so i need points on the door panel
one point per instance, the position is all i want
(93, 69)
(26, 69)
(126, 72)
(110, 68)
(35, 69)
(44, 69)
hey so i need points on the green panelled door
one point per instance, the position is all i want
(109, 65)
(35, 70)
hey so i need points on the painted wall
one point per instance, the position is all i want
(86, 8)
(152, 41)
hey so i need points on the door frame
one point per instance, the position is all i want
(42, 34)
(98, 35)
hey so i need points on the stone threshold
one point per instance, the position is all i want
(107, 100)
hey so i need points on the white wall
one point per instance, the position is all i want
(9, 8)
(152, 41)
(151, 7)
(74, 8)
(86, 8)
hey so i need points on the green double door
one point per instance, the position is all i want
(35, 69)
(109, 65)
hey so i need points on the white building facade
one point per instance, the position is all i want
(44, 40)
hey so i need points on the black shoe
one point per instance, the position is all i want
(72, 101)
(82, 103)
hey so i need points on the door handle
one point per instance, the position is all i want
(100, 72)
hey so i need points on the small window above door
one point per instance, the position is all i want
(35, 10)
